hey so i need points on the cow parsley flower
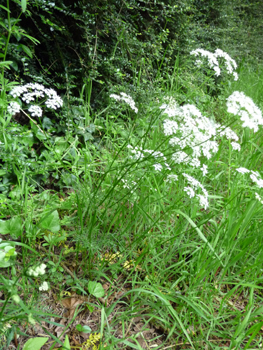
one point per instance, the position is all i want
(127, 99)
(189, 129)
(242, 170)
(213, 61)
(37, 270)
(44, 286)
(36, 92)
(240, 104)
(195, 185)
(236, 146)
(13, 108)
(35, 111)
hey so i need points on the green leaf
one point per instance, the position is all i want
(66, 344)
(26, 50)
(13, 226)
(6, 64)
(50, 222)
(4, 227)
(5, 8)
(84, 329)
(35, 343)
(95, 289)
(23, 5)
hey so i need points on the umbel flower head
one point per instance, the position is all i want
(34, 92)
(213, 63)
(126, 98)
(240, 104)
(189, 129)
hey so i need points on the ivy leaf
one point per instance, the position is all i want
(95, 289)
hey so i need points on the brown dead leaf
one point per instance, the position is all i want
(71, 304)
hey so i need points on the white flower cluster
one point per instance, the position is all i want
(139, 153)
(13, 108)
(127, 99)
(32, 92)
(240, 104)
(194, 186)
(213, 61)
(254, 176)
(37, 270)
(44, 286)
(193, 130)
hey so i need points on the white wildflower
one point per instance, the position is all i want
(180, 157)
(195, 185)
(171, 178)
(158, 167)
(126, 98)
(37, 270)
(240, 104)
(236, 146)
(213, 61)
(242, 170)
(34, 91)
(35, 111)
(204, 169)
(13, 108)
(44, 286)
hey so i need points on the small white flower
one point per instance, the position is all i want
(171, 178)
(44, 286)
(204, 169)
(240, 104)
(35, 111)
(242, 170)
(13, 108)
(126, 98)
(189, 191)
(157, 167)
(37, 270)
(236, 146)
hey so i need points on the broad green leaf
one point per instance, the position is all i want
(84, 329)
(35, 343)
(50, 222)
(2, 172)
(95, 289)
(23, 5)
(12, 226)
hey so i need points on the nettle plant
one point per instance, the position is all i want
(193, 139)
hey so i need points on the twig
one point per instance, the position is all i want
(32, 120)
